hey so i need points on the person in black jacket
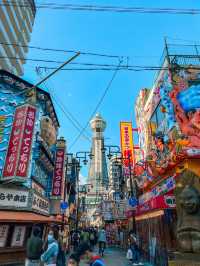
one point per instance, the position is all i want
(34, 248)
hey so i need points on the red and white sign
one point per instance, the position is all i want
(20, 143)
(26, 144)
(160, 202)
(58, 172)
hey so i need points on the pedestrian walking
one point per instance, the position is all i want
(34, 248)
(49, 257)
(87, 254)
(75, 240)
(135, 250)
(85, 236)
(92, 237)
(102, 241)
(61, 257)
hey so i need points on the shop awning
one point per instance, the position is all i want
(26, 217)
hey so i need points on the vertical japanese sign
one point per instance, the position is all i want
(26, 144)
(58, 172)
(20, 143)
(127, 146)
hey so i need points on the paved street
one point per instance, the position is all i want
(115, 257)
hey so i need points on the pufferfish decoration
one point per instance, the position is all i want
(48, 131)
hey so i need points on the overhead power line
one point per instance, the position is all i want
(102, 8)
(60, 50)
(93, 66)
(69, 116)
(97, 106)
(65, 111)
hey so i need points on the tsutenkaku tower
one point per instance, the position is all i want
(98, 173)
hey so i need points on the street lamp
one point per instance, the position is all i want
(82, 155)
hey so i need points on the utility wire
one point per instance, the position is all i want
(102, 67)
(97, 106)
(66, 112)
(59, 50)
(92, 53)
(118, 9)
(74, 122)
(136, 69)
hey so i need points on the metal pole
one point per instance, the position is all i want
(56, 70)
(167, 51)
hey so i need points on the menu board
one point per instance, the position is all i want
(18, 236)
(3, 234)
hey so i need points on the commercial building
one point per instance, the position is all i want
(168, 123)
(72, 177)
(32, 164)
(16, 23)
(115, 178)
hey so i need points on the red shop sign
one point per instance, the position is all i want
(26, 144)
(160, 202)
(58, 172)
(20, 143)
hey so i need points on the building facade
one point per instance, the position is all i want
(115, 178)
(72, 175)
(16, 23)
(32, 163)
(168, 119)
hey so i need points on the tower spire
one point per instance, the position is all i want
(98, 174)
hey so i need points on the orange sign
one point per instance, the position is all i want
(127, 145)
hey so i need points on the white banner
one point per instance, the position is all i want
(40, 204)
(13, 198)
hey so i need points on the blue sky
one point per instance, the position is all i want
(137, 36)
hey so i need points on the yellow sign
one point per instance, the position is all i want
(127, 143)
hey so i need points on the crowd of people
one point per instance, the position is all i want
(55, 250)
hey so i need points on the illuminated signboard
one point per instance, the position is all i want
(127, 146)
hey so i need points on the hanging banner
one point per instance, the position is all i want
(58, 172)
(20, 143)
(127, 146)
